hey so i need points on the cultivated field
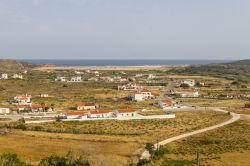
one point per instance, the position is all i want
(229, 145)
(109, 142)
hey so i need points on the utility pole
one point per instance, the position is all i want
(198, 159)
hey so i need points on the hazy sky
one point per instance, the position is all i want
(125, 29)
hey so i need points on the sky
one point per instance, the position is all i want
(125, 29)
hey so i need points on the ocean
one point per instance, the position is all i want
(81, 62)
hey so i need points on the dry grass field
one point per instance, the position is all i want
(104, 142)
(214, 102)
(229, 146)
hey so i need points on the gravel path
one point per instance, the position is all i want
(235, 117)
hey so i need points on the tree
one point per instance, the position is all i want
(184, 85)
(150, 148)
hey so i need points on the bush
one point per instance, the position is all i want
(10, 159)
(184, 85)
(150, 148)
(69, 160)
(247, 105)
(38, 128)
(21, 126)
(235, 83)
(143, 162)
(53, 160)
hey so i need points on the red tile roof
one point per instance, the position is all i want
(76, 113)
(81, 104)
(168, 101)
(36, 106)
(99, 112)
(23, 106)
(126, 110)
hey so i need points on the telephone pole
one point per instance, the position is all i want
(198, 159)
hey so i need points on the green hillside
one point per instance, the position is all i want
(11, 66)
(237, 70)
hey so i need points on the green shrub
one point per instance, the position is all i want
(10, 159)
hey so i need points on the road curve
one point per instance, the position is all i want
(235, 117)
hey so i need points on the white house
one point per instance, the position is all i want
(4, 110)
(76, 115)
(79, 72)
(60, 79)
(44, 95)
(86, 106)
(24, 107)
(76, 79)
(137, 97)
(189, 82)
(4, 76)
(125, 113)
(185, 92)
(151, 76)
(129, 86)
(18, 76)
(100, 114)
(166, 103)
(22, 99)
(143, 95)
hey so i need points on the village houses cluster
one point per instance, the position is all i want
(5, 76)
(25, 104)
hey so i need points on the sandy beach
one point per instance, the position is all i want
(107, 68)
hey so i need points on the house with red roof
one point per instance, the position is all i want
(166, 103)
(86, 106)
(191, 92)
(37, 108)
(100, 114)
(24, 107)
(23, 99)
(143, 95)
(126, 112)
(76, 115)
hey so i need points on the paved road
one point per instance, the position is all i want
(235, 117)
(12, 117)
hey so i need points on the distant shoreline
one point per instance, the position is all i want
(121, 63)
(107, 68)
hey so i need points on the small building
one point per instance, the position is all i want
(100, 114)
(60, 79)
(151, 76)
(76, 115)
(23, 99)
(4, 76)
(17, 76)
(185, 92)
(189, 82)
(76, 79)
(86, 106)
(24, 107)
(166, 103)
(126, 113)
(137, 97)
(44, 95)
(129, 86)
(4, 110)
(37, 108)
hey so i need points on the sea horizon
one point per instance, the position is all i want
(120, 62)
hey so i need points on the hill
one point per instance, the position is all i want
(237, 70)
(11, 66)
